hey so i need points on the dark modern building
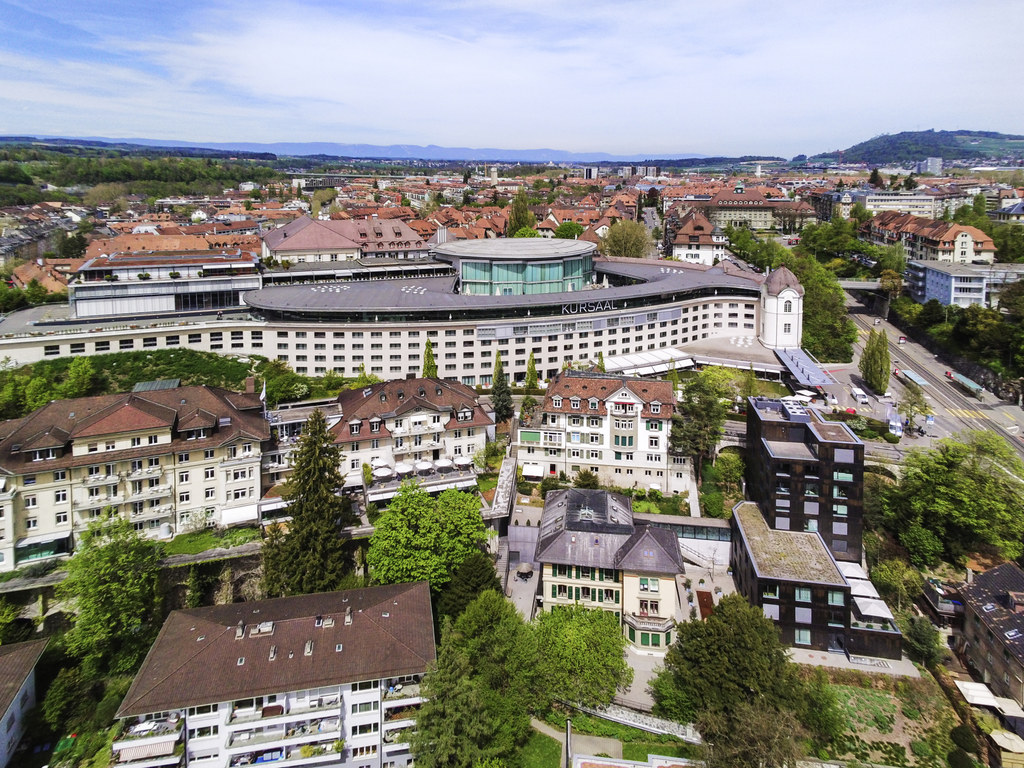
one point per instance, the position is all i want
(816, 601)
(807, 474)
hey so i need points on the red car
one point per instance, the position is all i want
(793, 241)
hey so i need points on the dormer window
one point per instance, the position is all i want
(375, 425)
(195, 434)
(354, 427)
(655, 407)
(43, 455)
(465, 415)
(574, 403)
(556, 402)
(593, 403)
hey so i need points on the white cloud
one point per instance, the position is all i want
(725, 78)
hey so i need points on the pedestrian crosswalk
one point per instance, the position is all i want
(966, 413)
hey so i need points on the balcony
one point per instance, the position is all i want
(279, 713)
(150, 744)
(293, 734)
(649, 623)
(99, 479)
(400, 691)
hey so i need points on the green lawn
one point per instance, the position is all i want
(201, 541)
(667, 505)
(540, 752)
(486, 482)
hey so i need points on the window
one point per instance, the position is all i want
(210, 493)
(208, 453)
(835, 597)
(31, 523)
(183, 477)
(61, 518)
(787, 306)
(787, 327)
(183, 458)
(802, 594)
(60, 474)
(60, 496)
(136, 442)
(802, 637)
(184, 497)
(209, 473)
(648, 585)
(31, 501)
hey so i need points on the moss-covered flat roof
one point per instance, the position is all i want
(785, 555)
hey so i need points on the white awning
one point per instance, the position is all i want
(353, 478)
(977, 694)
(245, 514)
(146, 751)
(43, 538)
(862, 588)
(869, 607)
(851, 570)
(532, 469)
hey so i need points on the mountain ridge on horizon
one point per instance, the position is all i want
(384, 151)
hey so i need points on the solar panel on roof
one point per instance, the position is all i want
(159, 384)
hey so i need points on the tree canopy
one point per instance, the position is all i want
(699, 416)
(874, 362)
(429, 363)
(584, 657)
(520, 216)
(311, 558)
(568, 230)
(960, 495)
(472, 577)
(113, 581)
(419, 537)
(626, 239)
(501, 395)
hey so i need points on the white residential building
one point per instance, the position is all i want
(313, 680)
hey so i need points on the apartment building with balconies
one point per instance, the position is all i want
(614, 426)
(167, 459)
(329, 679)
(592, 554)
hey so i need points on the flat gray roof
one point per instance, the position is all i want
(654, 278)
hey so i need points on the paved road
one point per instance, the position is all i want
(954, 410)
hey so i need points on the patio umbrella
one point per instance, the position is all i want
(443, 464)
(378, 462)
(463, 461)
(525, 568)
(402, 468)
(424, 466)
(383, 472)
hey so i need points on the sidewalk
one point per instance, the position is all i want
(581, 745)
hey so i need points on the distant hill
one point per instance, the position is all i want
(912, 146)
(372, 151)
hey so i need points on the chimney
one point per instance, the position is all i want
(348, 615)
(240, 630)
(250, 385)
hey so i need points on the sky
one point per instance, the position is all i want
(726, 77)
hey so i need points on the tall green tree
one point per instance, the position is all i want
(520, 216)
(896, 581)
(503, 653)
(568, 230)
(913, 404)
(755, 736)
(429, 364)
(473, 576)
(80, 379)
(312, 557)
(699, 417)
(958, 496)
(113, 583)
(714, 666)
(874, 362)
(452, 724)
(600, 361)
(419, 537)
(626, 239)
(584, 659)
(531, 373)
(501, 395)
(875, 179)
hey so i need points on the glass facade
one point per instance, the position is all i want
(521, 278)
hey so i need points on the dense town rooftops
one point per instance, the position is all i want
(389, 399)
(241, 650)
(785, 555)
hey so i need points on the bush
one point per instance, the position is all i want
(712, 504)
(964, 738)
(889, 437)
(959, 759)
(920, 749)
(549, 483)
(526, 488)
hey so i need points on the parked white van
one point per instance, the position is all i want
(860, 395)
